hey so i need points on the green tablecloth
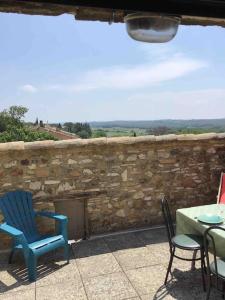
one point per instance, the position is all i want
(186, 222)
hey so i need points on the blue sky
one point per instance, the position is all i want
(67, 70)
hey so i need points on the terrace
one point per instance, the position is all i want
(119, 183)
(129, 265)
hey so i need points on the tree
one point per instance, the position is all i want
(160, 130)
(36, 122)
(12, 127)
(41, 123)
(99, 133)
(59, 126)
(83, 130)
(133, 133)
(24, 134)
(17, 112)
(3, 123)
(12, 117)
(69, 126)
(83, 134)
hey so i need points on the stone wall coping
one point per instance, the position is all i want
(12, 146)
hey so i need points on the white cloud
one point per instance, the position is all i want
(28, 88)
(134, 77)
(204, 103)
(157, 51)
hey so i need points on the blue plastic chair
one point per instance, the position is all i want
(19, 223)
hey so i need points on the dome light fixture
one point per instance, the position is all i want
(151, 28)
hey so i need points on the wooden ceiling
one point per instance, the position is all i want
(193, 12)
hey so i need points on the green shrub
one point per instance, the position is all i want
(24, 134)
(99, 133)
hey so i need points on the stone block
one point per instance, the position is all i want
(87, 172)
(124, 175)
(132, 157)
(71, 161)
(35, 185)
(138, 195)
(121, 213)
(42, 172)
(10, 164)
(52, 182)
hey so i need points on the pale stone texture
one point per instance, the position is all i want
(87, 172)
(98, 265)
(112, 286)
(65, 291)
(35, 185)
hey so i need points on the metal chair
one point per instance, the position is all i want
(19, 218)
(187, 242)
(217, 266)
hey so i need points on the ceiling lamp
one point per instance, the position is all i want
(151, 28)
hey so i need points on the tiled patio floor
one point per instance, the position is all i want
(124, 266)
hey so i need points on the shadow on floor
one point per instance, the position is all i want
(14, 276)
(119, 242)
(185, 285)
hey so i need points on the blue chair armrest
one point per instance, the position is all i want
(12, 231)
(17, 235)
(51, 215)
(63, 220)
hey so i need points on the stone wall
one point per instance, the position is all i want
(122, 179)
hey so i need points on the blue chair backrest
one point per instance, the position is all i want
(17, 209)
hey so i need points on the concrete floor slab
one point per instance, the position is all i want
(127, 266)
(62, 291)
(112, 286)
(134, 258)
(19, 295)
(98, 265)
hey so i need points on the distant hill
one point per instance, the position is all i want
(175, 124)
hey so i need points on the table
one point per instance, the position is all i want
(187, 223)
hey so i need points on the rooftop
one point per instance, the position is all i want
(124, 266)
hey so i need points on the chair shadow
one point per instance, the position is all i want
(181, 285)
(185, 285)
(15, 275)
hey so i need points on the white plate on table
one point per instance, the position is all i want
(210, 219)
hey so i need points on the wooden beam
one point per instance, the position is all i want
(193, 12)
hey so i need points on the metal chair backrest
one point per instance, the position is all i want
(210, 242)
(221, 191)
(17, 209)
(168, 220)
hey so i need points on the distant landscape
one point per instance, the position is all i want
(158, 127)
(192, 123)
(14, 128)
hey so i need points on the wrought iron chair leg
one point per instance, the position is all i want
(193, 261)
(169, 265)
(205, 269)
(202, 269)
(208, 292)
(223, 288)
(11, 256)
(208, 286)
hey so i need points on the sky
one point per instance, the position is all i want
(67, 70)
